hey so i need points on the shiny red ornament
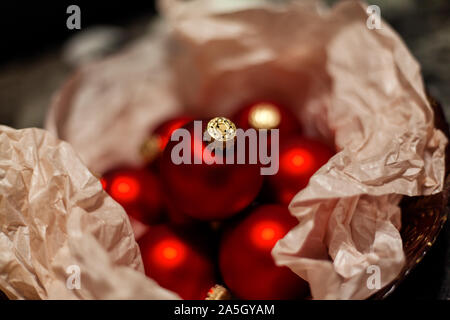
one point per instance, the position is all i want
(267, 114)
(300, 157)
(208, 191)
(177, 218)
(158, 138)
(246, 263)
(166, 128)
(176, 263)
(138, 191)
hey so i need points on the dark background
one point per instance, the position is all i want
(29, 27)
(32, 34)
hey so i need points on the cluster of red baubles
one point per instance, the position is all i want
(192, 243)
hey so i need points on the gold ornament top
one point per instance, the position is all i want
(221, 129)
(151, 148)
(218, 292)
(264, 115)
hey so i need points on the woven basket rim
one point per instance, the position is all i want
(437, 204)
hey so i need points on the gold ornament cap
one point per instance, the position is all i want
(218, 292)
(221, 129)
(264, 115)
(151, 148)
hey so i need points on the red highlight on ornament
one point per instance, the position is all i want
(125, 189)
(298, 161)
(300, 158)
(169, 253)
(137, 190)
(245, 260)
(266, 233)
(178, 261)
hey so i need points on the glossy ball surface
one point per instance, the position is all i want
(138, 191)
(246, 263)
(300, 157)
(177, 262)
(207, 191)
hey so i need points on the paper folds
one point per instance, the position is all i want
(61, 235)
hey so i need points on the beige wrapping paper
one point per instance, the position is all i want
(56, 218)
(114, 102)
(358, 88)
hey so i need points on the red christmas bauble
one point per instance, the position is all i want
(246, 263)
(138, 191)
(166, 128)
(158, 138)
(208, 191)
(177, 262)
(300, 157)
(267, 114)
(177, 218)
